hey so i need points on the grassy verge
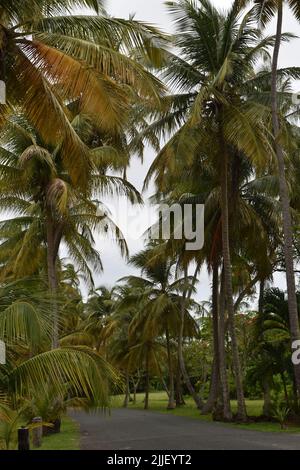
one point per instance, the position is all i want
(67, 439)
(158, 402)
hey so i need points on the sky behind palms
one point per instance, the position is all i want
(155, 12)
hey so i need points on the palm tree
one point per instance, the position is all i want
(26, 329)
(128, 344)
(266, 10)
(99, 308)
(161, 300)
(218, 54)
(51, 209)
(272, 334)
(49, 56)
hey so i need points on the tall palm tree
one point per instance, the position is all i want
(218, 54)
(265, 11)
(51, 208)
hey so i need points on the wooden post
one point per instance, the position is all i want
(23, 439)
(37, 432)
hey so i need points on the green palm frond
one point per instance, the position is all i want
(86, 372)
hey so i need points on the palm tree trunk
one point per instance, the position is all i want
(285, 200)
(215, 382)
(135, 387)
(52, 278)
(295, 397)
(3, 48)
(241, 413)
(267, 398)
(147, 382)
(286, 395)
(185, 375)
(171, 402)
(225, 397)
(261, 296)
(178, 388)
(161, 375)
(127, 390)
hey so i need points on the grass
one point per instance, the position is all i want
(158, 403)
(67, 439)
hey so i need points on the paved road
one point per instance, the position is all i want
(139, 430)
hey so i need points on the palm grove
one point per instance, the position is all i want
(83, 95)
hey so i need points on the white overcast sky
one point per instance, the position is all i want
(154, 11)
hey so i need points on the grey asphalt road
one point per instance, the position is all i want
(139, 430)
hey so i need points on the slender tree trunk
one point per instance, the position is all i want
(178, 388)
(171, 403)
(52, 278)
(261, 296)
(127, 390)
(295, 397)
(215, 382)
(185, 375)
(147, 382)
(286, 395)
(225, 397)
(161, 376)
(135, 386)
(285, 200)
(241, 413)
(267, 398)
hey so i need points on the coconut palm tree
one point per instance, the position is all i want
(218, 54)
(51, 208)
(161, 299)
(265, 11)
(49, 56)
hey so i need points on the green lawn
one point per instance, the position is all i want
(67, 439)
(158, 403)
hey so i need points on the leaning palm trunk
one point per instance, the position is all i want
(241, 413)
(185, 375)
(285, 201)
(52, 278)
(171, 402)
(215, 381)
